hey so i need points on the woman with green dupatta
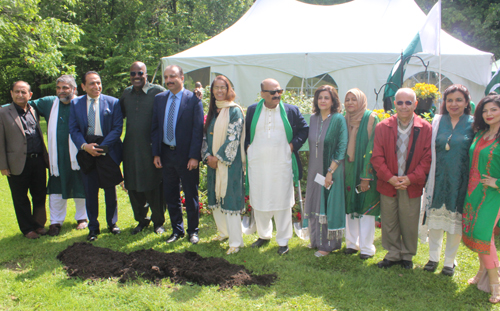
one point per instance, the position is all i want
(362, 198)
(482, 201)
(324, 214)
(223, 152)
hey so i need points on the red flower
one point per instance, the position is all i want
(201, 205)
(205, 119)
(299, 217)
(183, 201)
(249, 208)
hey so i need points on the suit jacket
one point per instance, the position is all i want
(188, 129)
(111, 124)
(299, 125)
(385, 159)
(13, 143)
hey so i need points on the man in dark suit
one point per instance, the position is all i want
(177, 135)
(22, 160)
(96, 114)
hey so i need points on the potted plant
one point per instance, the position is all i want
(426, 95)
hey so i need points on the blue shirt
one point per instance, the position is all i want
(178, 99)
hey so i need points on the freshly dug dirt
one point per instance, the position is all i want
(90, 262)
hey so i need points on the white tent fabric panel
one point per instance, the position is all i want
(356, 42)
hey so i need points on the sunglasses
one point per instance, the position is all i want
(407, 103)
(274, 92)
(139, 73)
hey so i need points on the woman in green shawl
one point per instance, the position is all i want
(362, 198)
(223, 152)
(481, 209)
(324, 214)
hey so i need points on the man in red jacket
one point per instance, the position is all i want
(402, 159)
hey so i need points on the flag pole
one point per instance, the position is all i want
(439, 51)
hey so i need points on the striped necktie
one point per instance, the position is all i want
(91, 118)
(170, 120)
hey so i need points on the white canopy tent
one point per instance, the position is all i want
(356, 43)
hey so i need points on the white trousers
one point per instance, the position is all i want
(436, 243)
(283, 220)
(229, 226)
(360, 233)
(57, 206)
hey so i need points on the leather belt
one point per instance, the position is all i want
(170, 147)
(32, 155)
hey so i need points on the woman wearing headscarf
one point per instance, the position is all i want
(446, 187)
(481, 210)
(324, 214)
(223, 152)
(362, 198)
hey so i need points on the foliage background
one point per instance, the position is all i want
(42, 39)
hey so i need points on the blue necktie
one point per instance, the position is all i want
(170, 120)
(91, 118)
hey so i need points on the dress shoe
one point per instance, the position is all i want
(54, 229)
(174, 237)
(232, 250)
(449, 271)
(193, 238)
(350, 251)
(41, 231)
(82, 224)
(365, 256)
(92, 235)
(387, 263)
(259, 242)
(159, 230)
(114, 229)
(407, 264)
(431, 266)
(139, 228)
(32, 235)
(282, 250)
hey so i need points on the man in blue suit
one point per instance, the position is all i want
(177, 135)
(94, 115)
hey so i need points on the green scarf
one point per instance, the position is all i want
(289, 137)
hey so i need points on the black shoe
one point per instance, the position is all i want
(431, 266)
(259, 242)
(282, 250)
(387, 263)
(350, 251)
(139, 228)
(93, 235)
(193, 238)
(449, 271)
(159, 230)
(365, 256)
(114, 229)
(407, 264)
(174, 237)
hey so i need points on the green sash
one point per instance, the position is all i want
(289, 137)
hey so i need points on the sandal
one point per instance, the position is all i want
(232, 250)
(495, 293)
(477, 277)
(220, 238)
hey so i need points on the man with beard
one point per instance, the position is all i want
(22, 160)
(142, 178)
(65, 181)
(177, 135)
(275, 133)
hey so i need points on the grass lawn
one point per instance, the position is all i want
(32, 278)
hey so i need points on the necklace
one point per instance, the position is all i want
(320, 130)
(447, 146)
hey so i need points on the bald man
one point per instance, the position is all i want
(23, 159)
(142, 178)
(272, 144)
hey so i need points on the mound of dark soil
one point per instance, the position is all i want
(90, 262)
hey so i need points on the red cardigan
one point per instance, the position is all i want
(384, 157)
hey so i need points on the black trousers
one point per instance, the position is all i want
(155, 201)
(32, 178)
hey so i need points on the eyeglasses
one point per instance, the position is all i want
(220, 88)
(274, 92)
(139, 73)
(407, 103)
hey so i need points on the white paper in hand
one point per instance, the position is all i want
(320, 179)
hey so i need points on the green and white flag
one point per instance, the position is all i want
(426, 41)
(494, 85)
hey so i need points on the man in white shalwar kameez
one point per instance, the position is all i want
(275, 132)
